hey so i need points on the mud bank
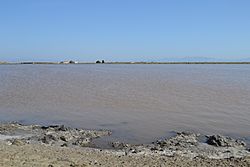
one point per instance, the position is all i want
(34, 145)
(53, 135)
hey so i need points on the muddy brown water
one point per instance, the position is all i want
(139, 103)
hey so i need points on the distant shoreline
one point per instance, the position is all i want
(56, 63)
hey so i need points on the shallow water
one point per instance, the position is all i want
(139, 103)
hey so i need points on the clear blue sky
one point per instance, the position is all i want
(123, 30)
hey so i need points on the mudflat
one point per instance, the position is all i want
(57, 145)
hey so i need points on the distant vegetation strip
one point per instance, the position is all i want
(178, 63)
(130, 63)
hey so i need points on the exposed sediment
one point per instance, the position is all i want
(34, 145)
(56, 135)
(188, 145)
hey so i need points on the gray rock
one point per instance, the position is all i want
(222, 141)
(119, 145)
(17, 142)
(48, 138)
(182, 139)
(83, 142)
(64, 145)
(63, 138)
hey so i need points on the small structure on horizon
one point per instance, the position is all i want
(98, 61)
(68, 62)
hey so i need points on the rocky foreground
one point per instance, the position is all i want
(34, 145)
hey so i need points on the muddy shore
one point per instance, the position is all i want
(58, 145)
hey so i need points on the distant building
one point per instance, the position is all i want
(68, 62)
(72, 62)
(98, 61)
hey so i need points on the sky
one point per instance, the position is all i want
(123, 30)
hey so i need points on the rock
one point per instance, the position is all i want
(182, 139)
(83, 142)
(44, 127)
(55, 127)
(48, 138)
(156, 148)
(64, 145)
(17, 142)
(161, 143)
(62, 128)
(119, 145)
(134, 151)
(222, 141)
(63, 138)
